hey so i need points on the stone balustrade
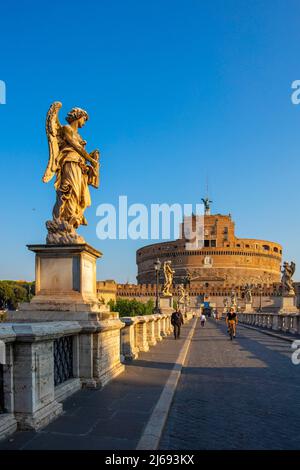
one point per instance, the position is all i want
(42, 363)
(45, 362)
(289, 323)
(142, 332)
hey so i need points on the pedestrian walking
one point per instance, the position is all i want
(202, 319)
(176, 321)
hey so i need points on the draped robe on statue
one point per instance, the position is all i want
(72, 180)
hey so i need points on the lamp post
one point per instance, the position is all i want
(260, 298)
(157, 266)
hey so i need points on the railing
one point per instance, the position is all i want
(287, 323)
(63, 359)
(1, 389)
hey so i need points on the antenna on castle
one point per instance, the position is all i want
(207, 195)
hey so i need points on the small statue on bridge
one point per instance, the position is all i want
(248, 293)
(169, 274)
(187, 299)
(181, 294)
(233, 299)
(287, 284)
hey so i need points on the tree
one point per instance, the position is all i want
(6, 294)
(12, 293)
(131, 307)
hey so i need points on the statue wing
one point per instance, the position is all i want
(53, 128)
(293, 268)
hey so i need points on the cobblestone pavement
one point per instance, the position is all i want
(243, 394)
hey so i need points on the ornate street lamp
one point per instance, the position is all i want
(260, 287)
(157, 266)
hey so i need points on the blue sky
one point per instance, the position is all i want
(178, 92)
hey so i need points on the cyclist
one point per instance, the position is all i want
(231, 320)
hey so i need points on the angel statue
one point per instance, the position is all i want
(181, 294)
(75, 169)
(187, 298)
(286, 280)
(206, 203)
(233, 299)
(169, 274)
(248, 293)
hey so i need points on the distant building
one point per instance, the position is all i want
(219, 260)
(106, 291)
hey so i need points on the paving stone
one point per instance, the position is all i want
(241, 394)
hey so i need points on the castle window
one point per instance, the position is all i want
(266, 247)
(238, 245)
(247, 246)
(276, 249)
(206, 243)
(213, 243)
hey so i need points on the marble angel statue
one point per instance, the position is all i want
(75, 169)
(286, 281)
(169, 274)
(181, 294)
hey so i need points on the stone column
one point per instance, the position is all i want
(293, 329)
(275, 323)
(151, 336)
(157, 328)
(86, 363)
(128, 347)
(141, 334)
(163, 331)
(169, 325)
(107, 352)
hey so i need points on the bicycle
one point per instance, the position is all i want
(231, 330)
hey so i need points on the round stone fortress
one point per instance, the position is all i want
(222, 260)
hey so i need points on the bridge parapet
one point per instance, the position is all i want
(45, 362)
(289, 323)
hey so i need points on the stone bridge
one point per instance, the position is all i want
(202, 391)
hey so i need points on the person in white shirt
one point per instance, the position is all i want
(203, 319)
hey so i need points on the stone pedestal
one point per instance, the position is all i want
(248, 308)
(66, 291)
(166, 304)
(128, 340)
(151, 337)
(141, 334)
(65, 277)
(288, 305)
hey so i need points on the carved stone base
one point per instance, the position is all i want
(288, 305)
(65, 278)
(60, 232)
(166, 304)
(248, 308)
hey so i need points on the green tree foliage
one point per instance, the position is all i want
(12, 293)
(131, 308)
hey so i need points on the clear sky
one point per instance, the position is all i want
(177, 92)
